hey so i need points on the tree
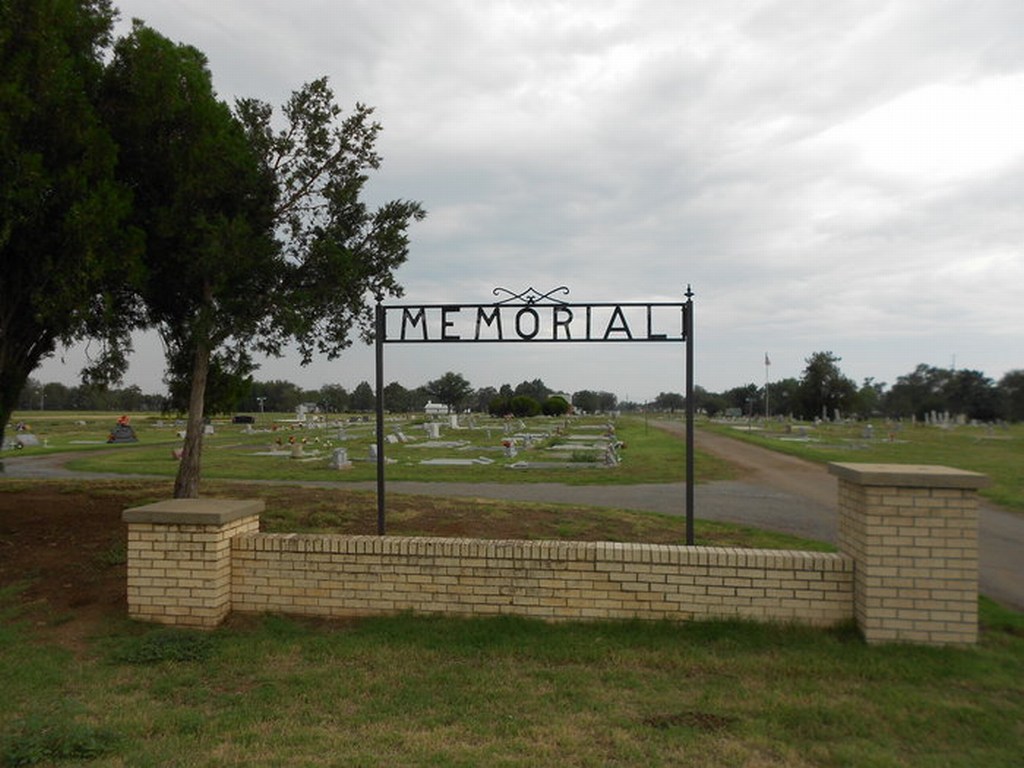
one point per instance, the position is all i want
(499, 406)
(483, 398)
(919, 392)
(338, 254)
(974, 395)
(62, 261)
(524, 406)
(253, 236)
(277, 396)
(746, 398)
(607, 401)
(824, 389)
(784, 396)
(205, 206)
(451, 389)
(362, 398)
(1011, 387)
(869, 397)
(535, 389)
(669, 401)
(333, 398)
(397, 398)
(555, 406)
(585, 401)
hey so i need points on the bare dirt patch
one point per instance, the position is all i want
(67, 549)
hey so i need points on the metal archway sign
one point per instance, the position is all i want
(531, 317)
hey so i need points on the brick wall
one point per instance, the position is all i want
(913, 532)
(179, 558)
(906, 571)
(353, 575)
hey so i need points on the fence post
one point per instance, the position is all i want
(179, 558)
(912, 532)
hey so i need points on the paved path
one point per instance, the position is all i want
(776, 492)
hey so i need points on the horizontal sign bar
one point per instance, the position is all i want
(448, 323)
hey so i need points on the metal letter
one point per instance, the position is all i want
(650, 334)
(494, 319)
(556, 323)
(519, 326)
(613, 328)
(414, 319)
(446, 324)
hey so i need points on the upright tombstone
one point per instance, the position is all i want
(340, 460)
(123, 433)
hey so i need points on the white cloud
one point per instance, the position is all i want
(842, 175)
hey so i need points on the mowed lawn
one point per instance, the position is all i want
(409, 690)
(562, 450)
(413, 691)
(993, 450)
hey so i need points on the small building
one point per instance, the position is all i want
(435, 409)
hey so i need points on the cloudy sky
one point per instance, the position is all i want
(844, 175)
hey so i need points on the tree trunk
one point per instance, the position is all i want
(13, 377)
(186, 484)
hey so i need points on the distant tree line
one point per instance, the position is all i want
(823, 391)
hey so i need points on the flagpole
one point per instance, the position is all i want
(767, 410)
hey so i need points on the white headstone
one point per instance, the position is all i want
(339, 459)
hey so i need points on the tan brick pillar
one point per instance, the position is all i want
(179, 558)
(912, 532)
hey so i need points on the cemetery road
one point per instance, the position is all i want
(1000, 533)
(775, 492)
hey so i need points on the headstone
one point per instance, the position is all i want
(453, 421)
(433, 430)
(26, 440)
(339, 459)
(373, 451)
(123, 433)
(208, 429)
(297, 450)
(510, 448)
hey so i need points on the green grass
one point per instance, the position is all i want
(409, 690)
(649, 455)
(997, 452)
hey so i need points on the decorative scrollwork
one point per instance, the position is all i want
(531, 295)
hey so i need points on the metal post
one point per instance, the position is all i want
(381, 329)
(688, 325)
